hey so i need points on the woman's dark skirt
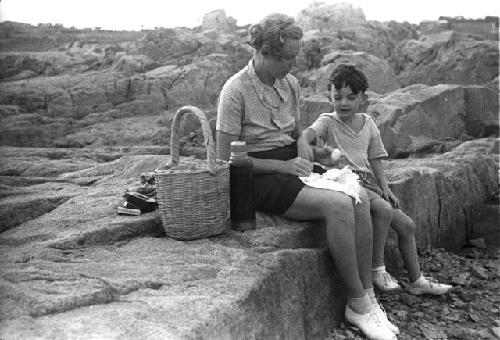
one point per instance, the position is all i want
(274, 193)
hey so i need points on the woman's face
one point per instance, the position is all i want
(279, 66)
(345, 102)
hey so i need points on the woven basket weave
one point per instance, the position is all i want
(193, 203)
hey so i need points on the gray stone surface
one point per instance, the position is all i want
(420, 117)
(445, 58)
(381, 77)
(81, 271)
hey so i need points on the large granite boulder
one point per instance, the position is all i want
(381, 77)
(330, 28)
(133, 64)
(419, 117)
(59, 107)
(445, 58)
(80, 270)
(218, 20)
(437, 192)
(481, 111)
(198, 83)
(180, 46)
(327, 17)
(17, 65)
(247, 294)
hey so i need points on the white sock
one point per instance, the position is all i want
(360, 305)
(420, 281)
(378, 269)
(371, 294)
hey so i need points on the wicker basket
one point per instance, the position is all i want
(193, 203)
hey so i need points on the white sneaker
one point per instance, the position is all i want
(384, 281)
(382, 316)
(425, 285)
(369, 323)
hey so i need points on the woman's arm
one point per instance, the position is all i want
(297, 166)
(379, 173)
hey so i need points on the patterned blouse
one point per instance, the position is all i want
(263, 116)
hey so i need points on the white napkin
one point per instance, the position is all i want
(343, 180)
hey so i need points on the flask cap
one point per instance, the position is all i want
(238, 146)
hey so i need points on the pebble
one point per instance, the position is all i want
(496, 331)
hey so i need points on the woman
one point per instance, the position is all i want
(260, 105)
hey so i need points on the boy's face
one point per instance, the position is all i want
(345, 102)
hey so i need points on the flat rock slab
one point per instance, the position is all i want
(81, 271)
(169, 289)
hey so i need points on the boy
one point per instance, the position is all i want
(358, 138)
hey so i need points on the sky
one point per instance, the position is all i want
(146, 14)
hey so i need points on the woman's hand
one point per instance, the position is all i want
(298, 167)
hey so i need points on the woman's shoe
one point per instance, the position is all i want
(382, 315)
(370, 324)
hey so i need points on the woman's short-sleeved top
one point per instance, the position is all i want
(263, 116)
(357, 148)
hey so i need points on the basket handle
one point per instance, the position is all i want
(207, 136)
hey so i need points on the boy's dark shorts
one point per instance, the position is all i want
(274, 193)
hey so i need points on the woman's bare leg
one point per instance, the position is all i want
(364, 239)
(337, 210)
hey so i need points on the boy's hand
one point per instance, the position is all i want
(305, 150)
(389, 196)
(324, 156)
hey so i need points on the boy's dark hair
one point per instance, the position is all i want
(348, 75)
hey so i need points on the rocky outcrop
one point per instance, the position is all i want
(340, 27)
(445, 58)
(381, 77)
(321, 16)
(79, 104)
(419, 118)
(131, 64)
(312, 107)
(22, 65)
(219, 21)
(438, 191)
(180, 46)
(481, 111)
(81, 269)
(235, 298)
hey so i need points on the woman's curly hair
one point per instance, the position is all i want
(272, 31)
(348, 75)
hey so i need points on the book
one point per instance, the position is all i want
(127, 211)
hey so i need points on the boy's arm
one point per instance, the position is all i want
(378, 170)
(304, 143)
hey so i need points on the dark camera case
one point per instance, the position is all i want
(142, 202)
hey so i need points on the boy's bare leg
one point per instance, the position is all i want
(364, 239)
(405, 228)
(337, 210)
(382, 215)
